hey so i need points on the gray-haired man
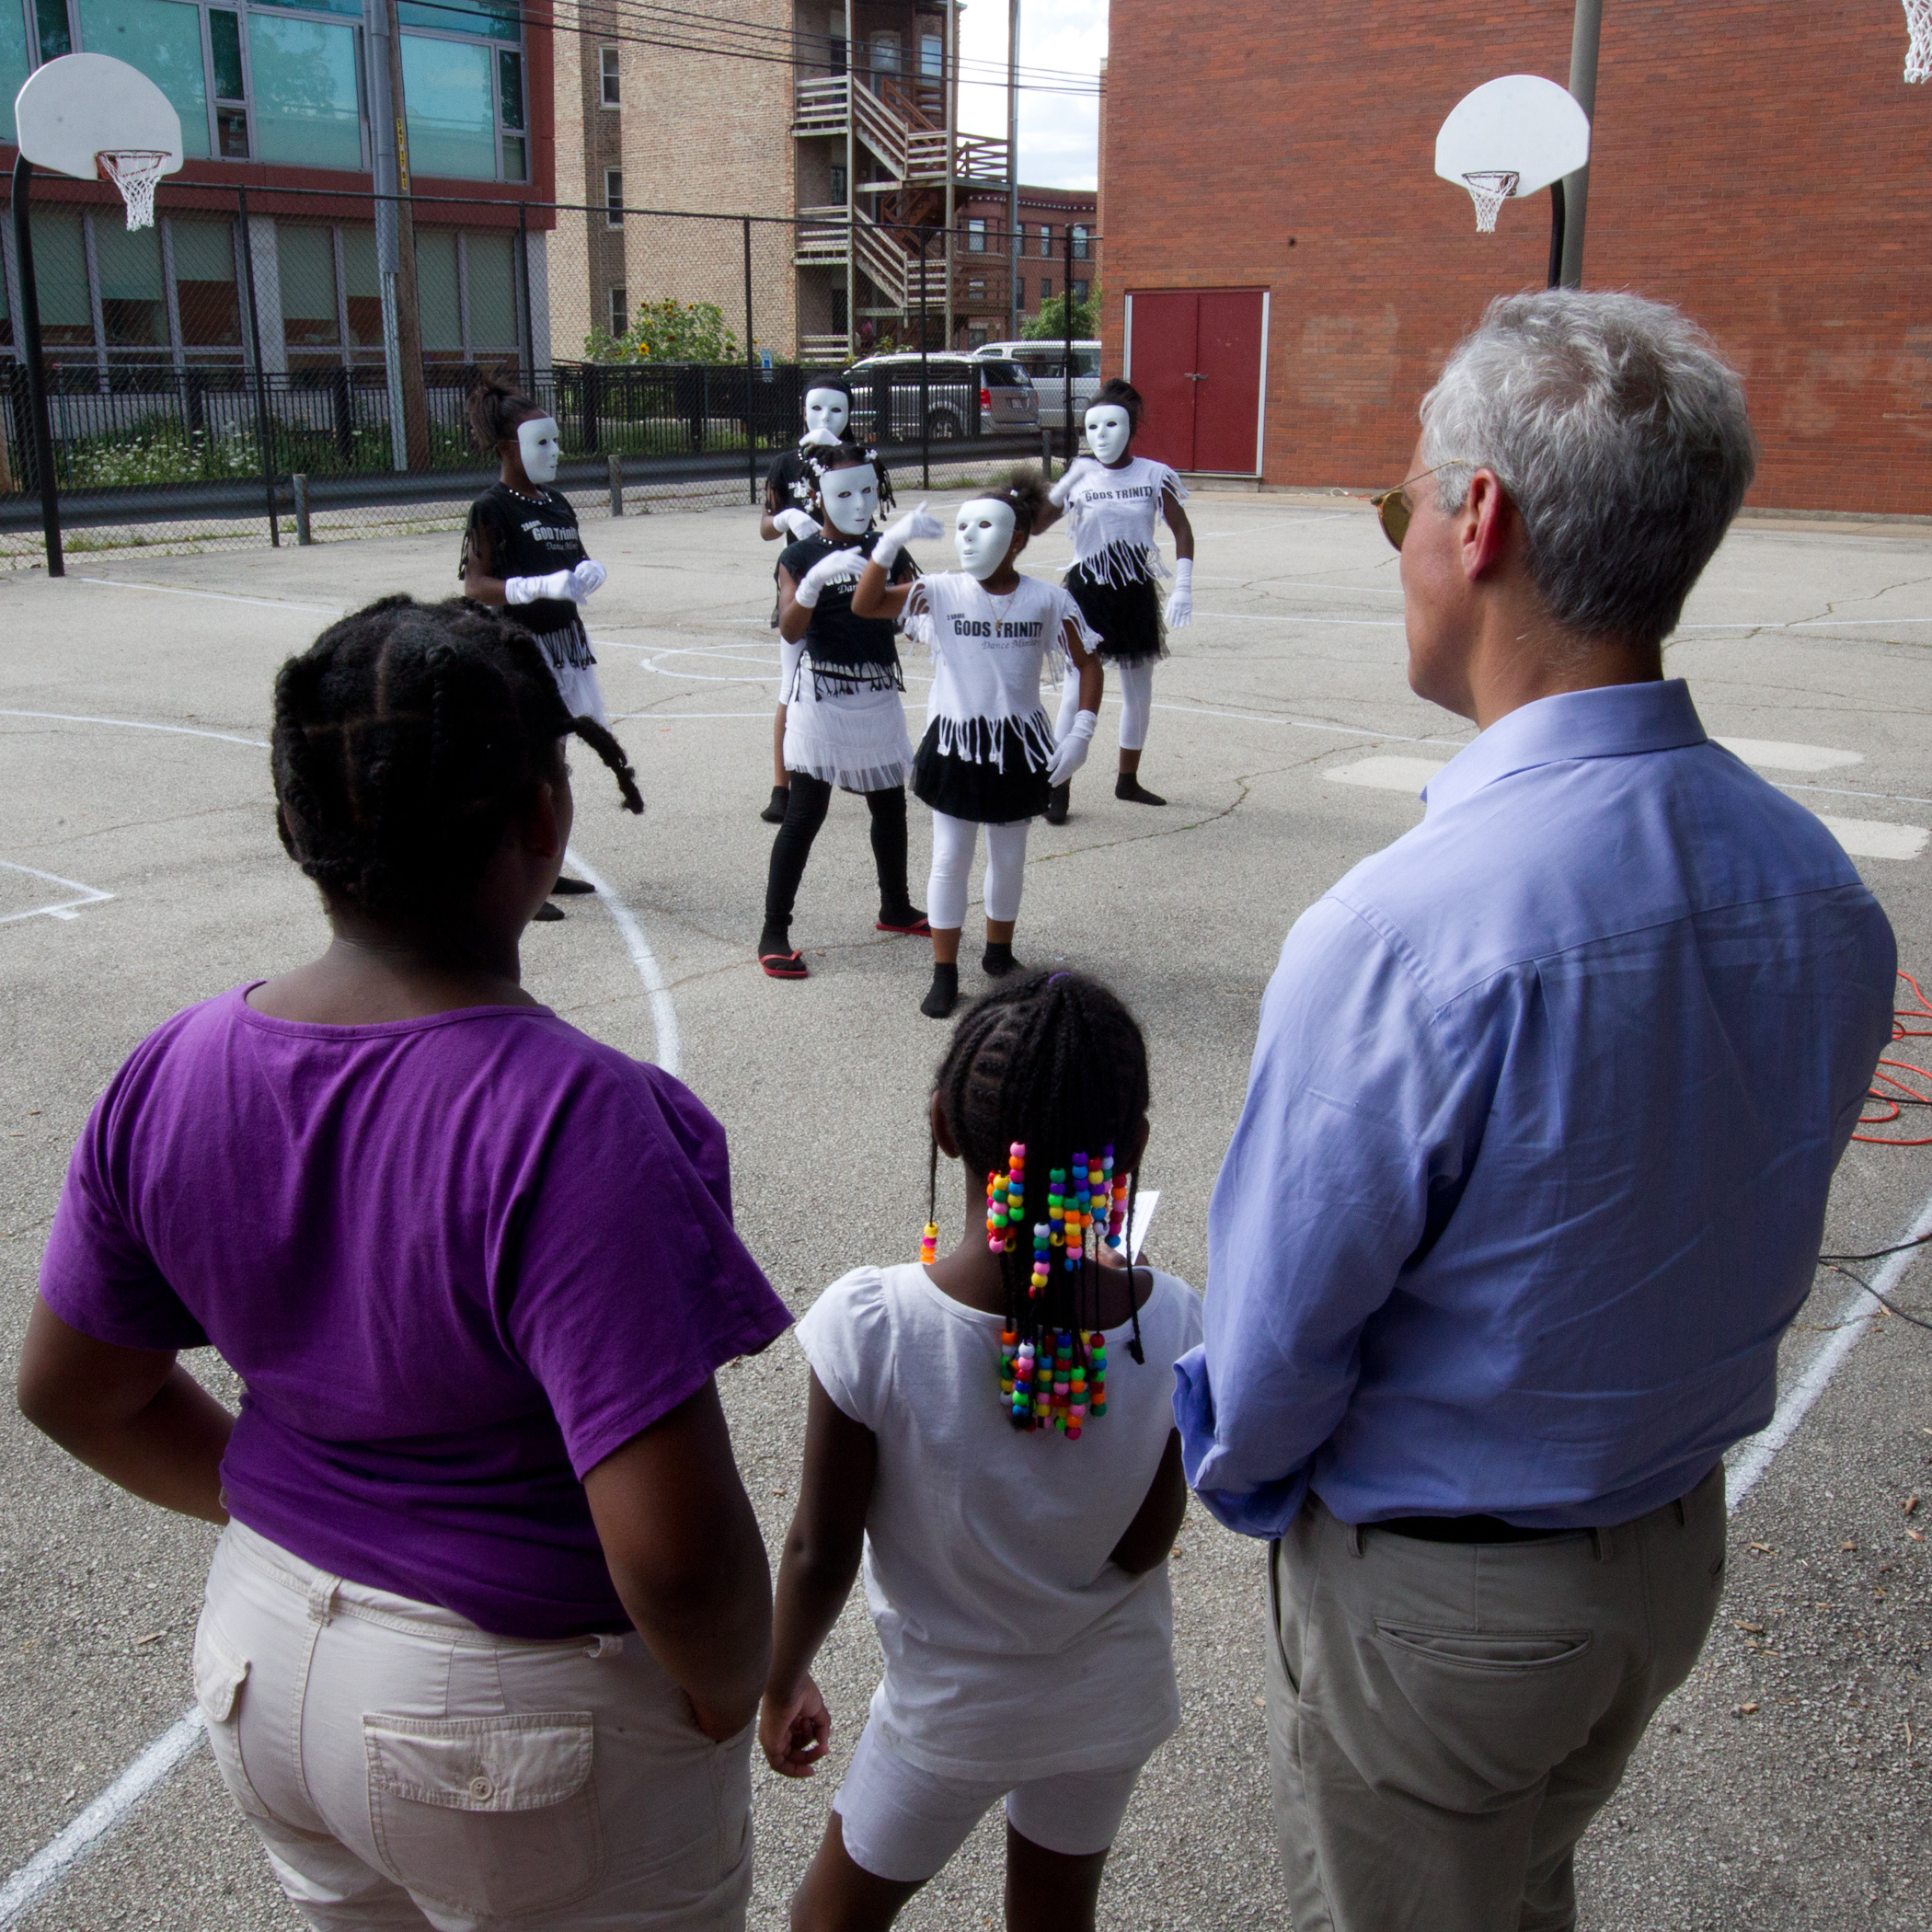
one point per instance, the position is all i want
(1534, 1159)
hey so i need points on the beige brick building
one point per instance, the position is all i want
(835, 126)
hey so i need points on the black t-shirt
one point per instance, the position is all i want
(847, 653)
(525, 536)
(790, 481)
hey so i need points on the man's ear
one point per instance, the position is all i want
(1485, 525)
(541, 834)
(942, 1131)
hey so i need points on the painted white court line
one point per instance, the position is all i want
(49, 1865)
(1145, 1201)
(1877, 838)
(663, 1014)
(58, 908)
(137, 724)
(169, 590)
(1407, 775)
(1775, 754)
(1753, 1457)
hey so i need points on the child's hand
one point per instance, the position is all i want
(795, 1734)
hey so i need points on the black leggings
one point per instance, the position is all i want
(805, 809)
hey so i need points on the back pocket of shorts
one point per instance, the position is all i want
(497, 1816)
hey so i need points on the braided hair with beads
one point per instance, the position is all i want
(1053, 1063)
(406, 739)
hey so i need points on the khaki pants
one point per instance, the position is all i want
(1444, 1721)
(403, 1768)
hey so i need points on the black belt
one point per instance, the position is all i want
(1466, 1529)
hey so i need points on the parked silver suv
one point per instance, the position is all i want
(963, 398)
(1045, 364)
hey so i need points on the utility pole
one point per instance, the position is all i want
(1585, 38)
(1012, 169)
(408, 309)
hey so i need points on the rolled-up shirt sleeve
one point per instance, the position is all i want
(1349, 1141)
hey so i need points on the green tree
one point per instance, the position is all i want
(668, 331)
(1050, 324)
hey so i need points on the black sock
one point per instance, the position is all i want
(997, 959)
(1128, 785)
(943, 994)
(775, 938)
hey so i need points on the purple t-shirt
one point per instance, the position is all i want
(456, 1262)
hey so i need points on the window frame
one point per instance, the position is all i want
(614, 204)
(499, 129)
(976, 235)
(618, 310)
(1083, 240)
(610, 78)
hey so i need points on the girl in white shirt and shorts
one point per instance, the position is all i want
(1007, 1465)
(991, 756)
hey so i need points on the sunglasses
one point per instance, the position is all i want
(1391, 507)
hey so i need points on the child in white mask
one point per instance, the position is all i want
(1111, 500)
(521, 548)
(990, 755)
(790, 515)
(844, 716)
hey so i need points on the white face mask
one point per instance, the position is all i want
(541, 446)
(1109, 432)
(826, 413)
(850, 496)
(983, 534)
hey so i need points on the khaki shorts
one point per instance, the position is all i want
(404, 1768)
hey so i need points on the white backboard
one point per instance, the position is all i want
(83, 104)
(1522, 125)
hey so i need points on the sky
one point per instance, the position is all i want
(1059, 133)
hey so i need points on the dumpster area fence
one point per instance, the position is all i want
(232, 378)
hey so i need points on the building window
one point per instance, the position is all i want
(1019, 292)
(620, 310)
(932, 57)
(976, 290)
(614, 198)
(510, 106)
(231, 91)
(885, 59)
(1046, 241)
(838, 184)
(51, 30)
(306, 105)
(1079, 292)
(453, 120)
(1079, 241)
(607, 61)
(1046, 288)
(976, 339)
(976, 235)
(835, 40)
(305, 268)
(841, 320)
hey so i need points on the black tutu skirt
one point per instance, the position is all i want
(1127, 616)
(980, 790)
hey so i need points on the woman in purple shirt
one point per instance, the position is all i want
(489, 1620)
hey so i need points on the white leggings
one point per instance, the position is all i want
(1136, 701)
(953, 844)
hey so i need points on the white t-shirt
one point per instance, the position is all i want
(988, 652)
(1117, 510)
(1013, 1649)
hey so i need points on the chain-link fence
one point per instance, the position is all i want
(246, 374)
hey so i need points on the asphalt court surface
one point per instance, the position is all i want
(1787, 1784)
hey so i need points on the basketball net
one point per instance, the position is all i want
(136, 170)
(1492, 188)
(1919, 24)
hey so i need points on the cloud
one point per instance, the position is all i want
(1059, 133)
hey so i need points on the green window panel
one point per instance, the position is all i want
(306, 103)
(491, 263)
(436, 288)
(353, 9)
(13, 62)
(225, 43)
(453, 123)
(361, 288)
(204, 282)
(133, 311)
(495, 19)
(60, 273)
(50, 17)
(307, 258)
(162, 39)
(510, 105)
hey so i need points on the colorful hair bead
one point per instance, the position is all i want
(1037, 1286)
(929, 1245)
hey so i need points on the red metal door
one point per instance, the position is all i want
(1164, 328)
(1228, 399)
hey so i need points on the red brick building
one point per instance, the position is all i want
(1285, 272)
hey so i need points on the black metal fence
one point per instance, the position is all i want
(233, 378)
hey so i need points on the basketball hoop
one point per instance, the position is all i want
(1918, 55)
(1493, 187)
(136, 171)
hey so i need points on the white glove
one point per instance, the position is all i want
(1071, 754)
(915, 526)
(1180, 606)
(587, 577)
(797, 524)
(529, 590)
(841, 567)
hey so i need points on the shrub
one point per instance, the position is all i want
(668, 331)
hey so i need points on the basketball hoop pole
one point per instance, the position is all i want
(42, 428)
(1586, 37)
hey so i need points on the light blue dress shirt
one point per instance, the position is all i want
(1540, 1131)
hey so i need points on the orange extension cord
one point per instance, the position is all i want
(1905, 1084)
